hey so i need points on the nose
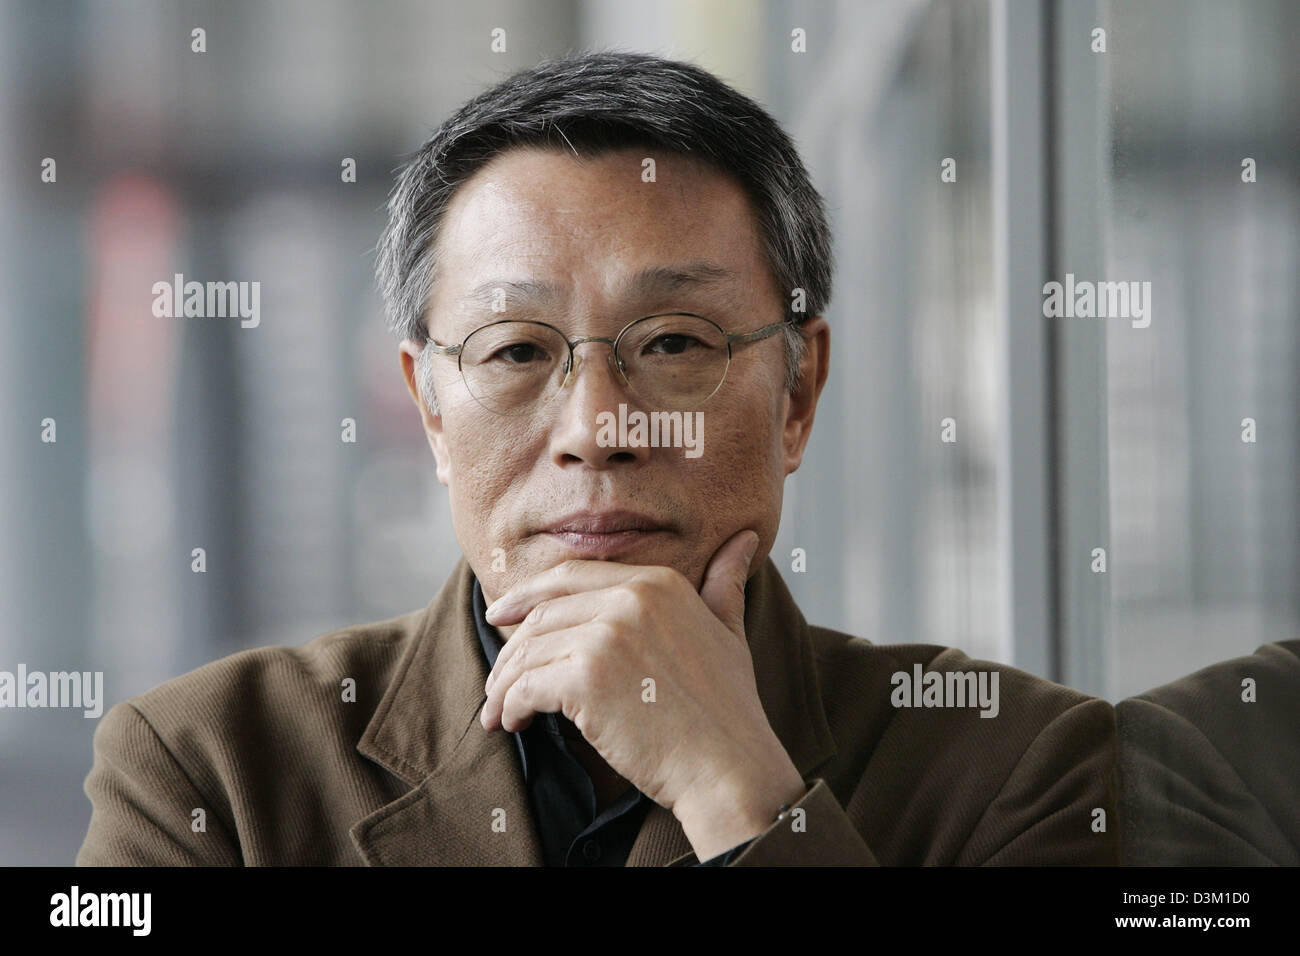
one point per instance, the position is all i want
(585, 428)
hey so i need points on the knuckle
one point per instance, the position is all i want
(585, 670)
(535, 616)
(627, 606)
(643, 600)
(640, 594)
(606, 633)
(665, 577)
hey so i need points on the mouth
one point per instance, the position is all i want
(604, 533)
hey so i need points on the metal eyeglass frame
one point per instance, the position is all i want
(731, 338)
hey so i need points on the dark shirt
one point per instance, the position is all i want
(561, 793)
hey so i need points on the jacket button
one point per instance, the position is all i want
(591, 850)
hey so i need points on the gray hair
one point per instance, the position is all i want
(594, 103)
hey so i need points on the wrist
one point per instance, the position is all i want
(734, 810)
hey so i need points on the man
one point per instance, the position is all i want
(615, 673)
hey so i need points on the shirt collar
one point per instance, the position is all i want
(488, 636)
(490, 640)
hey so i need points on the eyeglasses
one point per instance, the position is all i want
(674, 361)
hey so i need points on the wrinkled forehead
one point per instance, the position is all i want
(550, 233)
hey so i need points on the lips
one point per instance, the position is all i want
(605, 522)
(605, 535)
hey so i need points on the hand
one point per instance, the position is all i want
(657, 678)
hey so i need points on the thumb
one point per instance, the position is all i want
(723, 590)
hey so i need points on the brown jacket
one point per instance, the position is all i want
(1209, 775)
(288, 772)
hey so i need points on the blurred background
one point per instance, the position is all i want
(1071, 434)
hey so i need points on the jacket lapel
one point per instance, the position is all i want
(469, 806)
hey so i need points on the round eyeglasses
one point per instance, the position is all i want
(673, 361)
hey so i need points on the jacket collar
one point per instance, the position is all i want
(469, 805)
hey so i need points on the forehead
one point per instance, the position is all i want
(562, 232)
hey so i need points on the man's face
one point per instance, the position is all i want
(589, 227)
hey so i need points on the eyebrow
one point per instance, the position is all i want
(649, 283)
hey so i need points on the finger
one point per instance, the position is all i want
(723, 588)
(569, 577)
(552, 614)
(539, 690)
(540, 651)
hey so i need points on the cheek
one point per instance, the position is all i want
(741, 451)
(489, 457)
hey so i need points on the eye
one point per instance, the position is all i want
(674, 343)
(519, 353)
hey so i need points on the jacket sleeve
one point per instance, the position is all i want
(142, 802)
(822, 835)
(1208, 778)
(1045, 811)
(1058, 806)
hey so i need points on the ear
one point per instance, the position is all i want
(802, 402)
(409, 354)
